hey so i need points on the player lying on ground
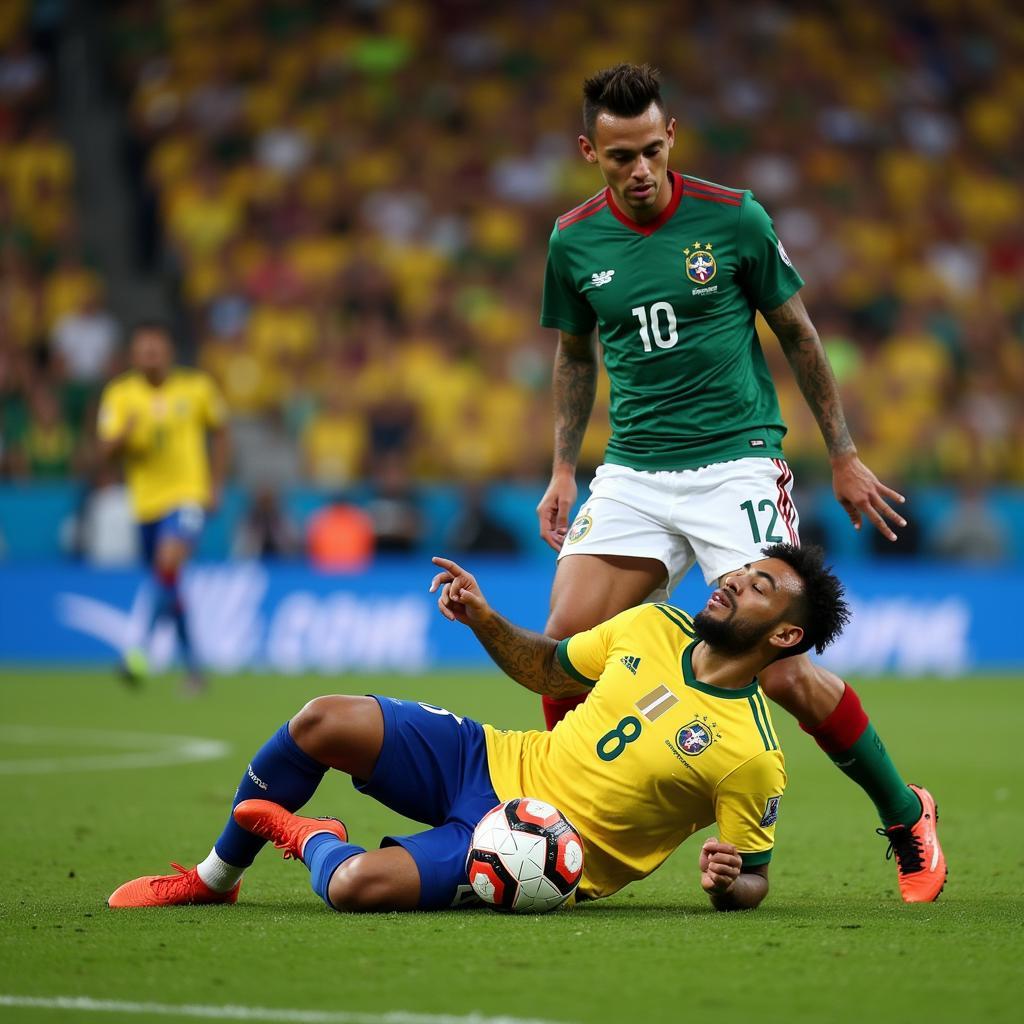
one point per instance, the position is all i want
(672, 270)
(676, 735)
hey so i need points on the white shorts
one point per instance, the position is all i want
(719, 516)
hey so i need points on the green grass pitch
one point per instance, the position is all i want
(832, 943)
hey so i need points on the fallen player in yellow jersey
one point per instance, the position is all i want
(675, 736)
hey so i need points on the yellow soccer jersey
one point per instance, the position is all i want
(165, 458)
(651, 756)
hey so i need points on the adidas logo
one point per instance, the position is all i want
(602, 277)
(631, 662)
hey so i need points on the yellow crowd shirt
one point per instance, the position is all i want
(652, 756)
(166, 465)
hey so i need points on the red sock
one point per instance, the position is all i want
(556, 708)
(843, 727)
(167, 577)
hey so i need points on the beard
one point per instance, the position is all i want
(732, 635)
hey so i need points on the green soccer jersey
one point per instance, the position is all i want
(674, 302)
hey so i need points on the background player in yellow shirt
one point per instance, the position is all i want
(156, 418)
(675, 736)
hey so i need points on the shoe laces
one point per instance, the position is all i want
(288, 853)
(906, 845)
(170, 884)
(287, 846)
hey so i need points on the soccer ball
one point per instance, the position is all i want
(525, 857)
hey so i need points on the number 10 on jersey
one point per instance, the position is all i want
(657, 323)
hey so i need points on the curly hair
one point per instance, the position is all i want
(821, 609)
(625, 90)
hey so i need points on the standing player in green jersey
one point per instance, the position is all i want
(672, 270)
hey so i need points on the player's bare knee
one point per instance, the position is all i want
(565, 619)
(806, 690)
(559, 626)
(361, 887)
(780, 681)
(317, 723)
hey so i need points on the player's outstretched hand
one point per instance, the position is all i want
(554, 508)
(461, 598)
(859, 491)
(720, 865)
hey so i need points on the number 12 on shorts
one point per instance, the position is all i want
(764, 506)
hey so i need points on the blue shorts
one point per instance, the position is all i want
(185, 523)
(433, 768)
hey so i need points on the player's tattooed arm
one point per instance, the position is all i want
(573, 386)
(527, 657)
(856, 488)
(806, 356)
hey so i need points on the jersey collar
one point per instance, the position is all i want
(716, 691)
(676, 181)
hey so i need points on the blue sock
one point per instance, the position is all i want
(184, 637)
(168, 605)
(322, 855)
(281, 772)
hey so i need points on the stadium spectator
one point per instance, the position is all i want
(394, 506)
(340, 538)
(476, 529)
(102, 532)
(266, 531)
(47, 448)
(970, 532)
(334, 442)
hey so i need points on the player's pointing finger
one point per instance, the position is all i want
(446, 563)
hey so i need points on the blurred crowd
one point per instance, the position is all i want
(57, 341)
(355, 201)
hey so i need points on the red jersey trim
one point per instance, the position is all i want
(712, 193)
(676, 181)
(568, 219)
(736, 193)
(693, 194)
(584, 209)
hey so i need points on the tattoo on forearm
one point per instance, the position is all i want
(527, 657)
(810, 365)
(574, 384)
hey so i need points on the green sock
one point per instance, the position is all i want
(868, 764)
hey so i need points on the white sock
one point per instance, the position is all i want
(218, 874)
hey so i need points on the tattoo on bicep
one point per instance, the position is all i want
(806, 357)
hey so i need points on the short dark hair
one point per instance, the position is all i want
(625, 90)
(820, 610)
(153, 324)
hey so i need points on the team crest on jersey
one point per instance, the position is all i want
(771, 811)
(580, 528)
(694, 739)
(700, 263)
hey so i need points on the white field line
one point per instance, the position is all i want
(137, 750)
(83, 1004)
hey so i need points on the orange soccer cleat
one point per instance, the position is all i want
(287, 831)
(181, 889)
(920, 865)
